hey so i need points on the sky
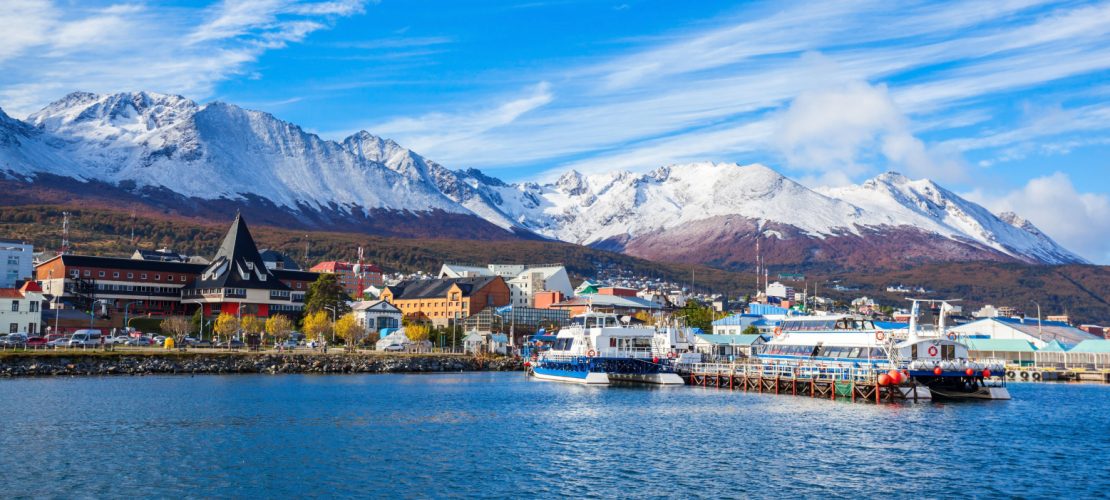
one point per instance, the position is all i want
(1005, 102)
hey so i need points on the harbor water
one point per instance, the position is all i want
(504, 435)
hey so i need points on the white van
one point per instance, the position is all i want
(85, 338)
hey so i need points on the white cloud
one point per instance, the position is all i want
(50, 51)
(1079, 221)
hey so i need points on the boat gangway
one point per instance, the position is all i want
(813, 380)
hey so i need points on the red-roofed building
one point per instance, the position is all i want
(21, 309)
(345, 271)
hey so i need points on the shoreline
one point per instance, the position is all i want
(51, 364)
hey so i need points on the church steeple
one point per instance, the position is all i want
(237, 263)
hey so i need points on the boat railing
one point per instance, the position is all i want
(815, 371)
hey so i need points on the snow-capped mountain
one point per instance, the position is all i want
(169, 152)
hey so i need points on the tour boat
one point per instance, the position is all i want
(936, 365)
(600, 349)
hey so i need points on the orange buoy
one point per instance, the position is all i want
(986, 374)
(884, 379)
(937, 371)
(970, 372)
(895, 376)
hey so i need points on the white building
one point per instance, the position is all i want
(377, 315)
(21, 309)
(780, 290)
(16, 263)
(524, 280)
(1037, 333)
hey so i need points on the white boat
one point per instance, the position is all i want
(600, 349)
(935, 364)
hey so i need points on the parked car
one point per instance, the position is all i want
(160, 340)
(233, 344)
(118, 339)
(36, 342)
(14, 340)
(58, 343)
(138, 341)
(85, 338)
(289, 344)
(202, 343)
(394, 348)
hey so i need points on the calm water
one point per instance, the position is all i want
(502, 435)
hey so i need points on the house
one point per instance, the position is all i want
(1096, 330)
(735, 324)
(350, 274)
(1012, 350)
(616, 304)
(238, 282)
(16, 262)
(1038, 333)
(445, 299)
(586, 288)
(377, 315)
(277, 260)
(524, 280)
(130, 287)
(20, 309)
(780, 290)
(723, 347)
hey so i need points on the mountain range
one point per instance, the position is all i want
(170, 154)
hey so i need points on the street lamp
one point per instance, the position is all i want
(92, 310)
(1040, 326)
(126, 322)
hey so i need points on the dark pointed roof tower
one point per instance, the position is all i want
(237, 263)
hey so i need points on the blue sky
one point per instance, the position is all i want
(1005, 102)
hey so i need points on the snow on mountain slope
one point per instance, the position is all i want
(150, 144)
(219, 150)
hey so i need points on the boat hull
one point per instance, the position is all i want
(603, 371)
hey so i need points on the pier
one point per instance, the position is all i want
(828, 382)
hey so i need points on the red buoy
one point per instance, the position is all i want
(884, 379)
(527, 364)
(655, 359)
(970, 372)
(895, 376)
(937, 371)
(986, 374)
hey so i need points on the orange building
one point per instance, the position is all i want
(345, 272)
(446, 299)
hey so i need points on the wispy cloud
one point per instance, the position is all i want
(50, 50)
(723, 88)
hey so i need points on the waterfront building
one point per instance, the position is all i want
(348, 278)
(615, 304)
(16, 263)
(522, 320)
(129, 286)
(377, 316)
(1038, 333)
(20, 309)
(447, 299)
(1012, 350)
(238, 282)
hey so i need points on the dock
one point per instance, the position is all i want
(827, 382)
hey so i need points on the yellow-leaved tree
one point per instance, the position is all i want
(316, 325)
(350, 330)
(252, 324)
(278, 327)
(226, 325)
(418, 332)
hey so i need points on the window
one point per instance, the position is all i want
(130, 276)
(100, 274)
(88, 273)
(12, 328)
(32, 328)
(13, 260)
(182, 278)
(34, 306)
(157, 277)
(142, 276)
(75, 273)
(115, 274)
(15, 306)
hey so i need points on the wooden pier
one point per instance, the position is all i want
(827, 382)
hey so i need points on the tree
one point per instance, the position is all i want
(316, 324)
(177, 327)
(751, 330)
(278, 327)
(226, 325)
(700, 316)
(252, 324)
(198, 321)
(350, 329)
(326, 292)
(418, 332)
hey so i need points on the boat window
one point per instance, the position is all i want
(612, 341)
(913, 351)
(949, 352)
(854, 353)
(877, 352)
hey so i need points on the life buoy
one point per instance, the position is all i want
(671, 355)
(879, 335)
(1011, 374)
(778, 331)
(933, 350)
(591, 353)
(951, 336)
(1036, 375)
(1024, 374)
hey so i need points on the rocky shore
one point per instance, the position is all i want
(37, 365)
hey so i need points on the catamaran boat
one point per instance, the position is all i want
(600, 349)
(937, 365)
